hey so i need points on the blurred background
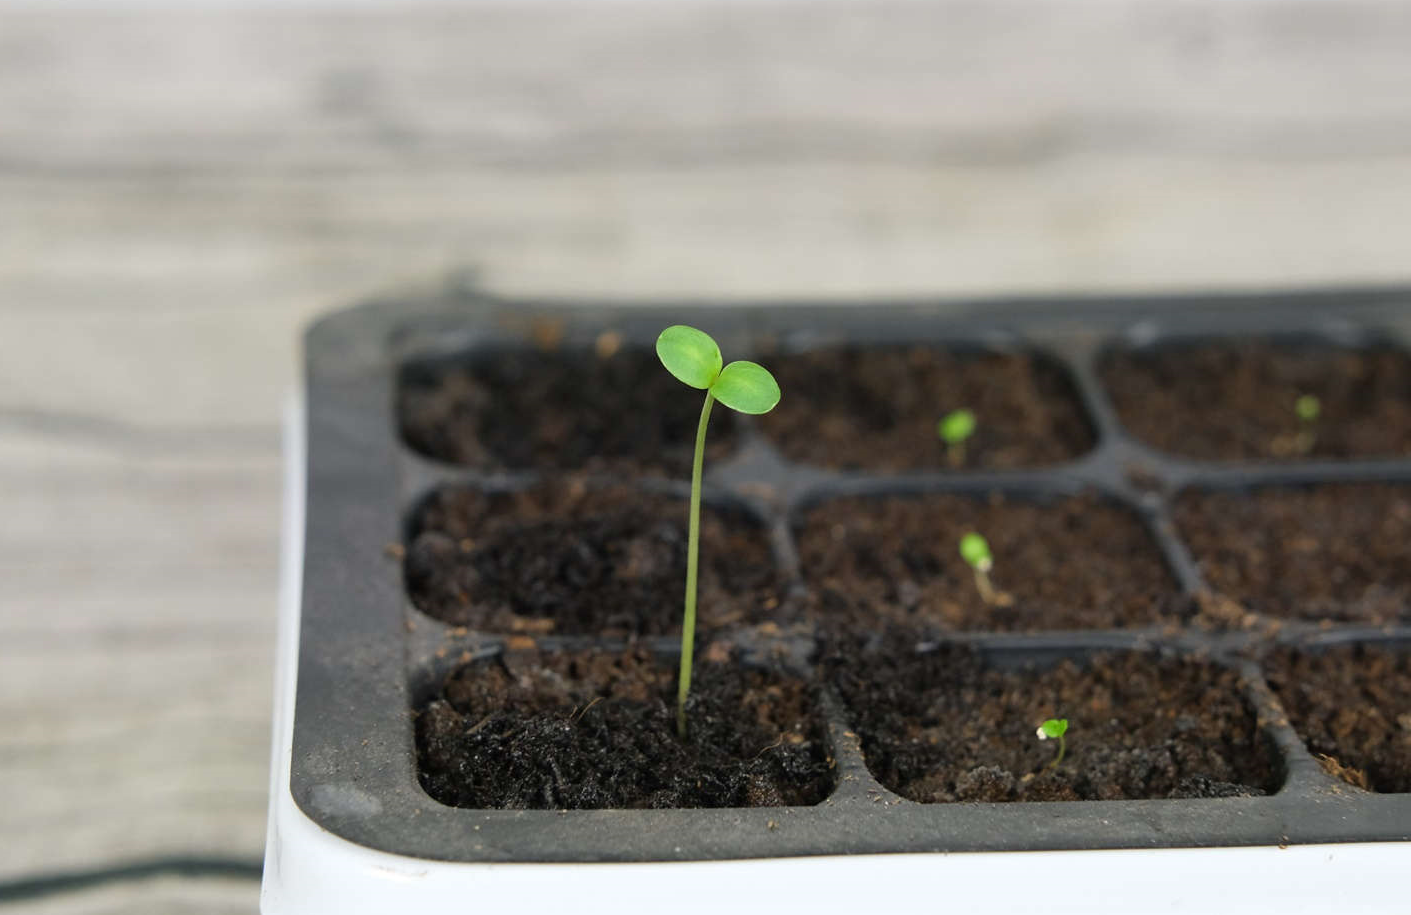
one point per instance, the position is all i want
(183, 186)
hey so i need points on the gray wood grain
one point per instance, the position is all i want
(180, 192)
(165, 896)
(137, 626)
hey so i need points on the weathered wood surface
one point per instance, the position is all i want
(180, 192)
(166, 896)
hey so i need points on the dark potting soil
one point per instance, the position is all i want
(590, 730)
(942, 726)
(1236, 401)
(877, 409)
(526, 409)
(574, 559)
(1352, 707)
(1075, 563)
(1336, 552)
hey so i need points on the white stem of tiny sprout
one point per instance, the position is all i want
(982, 581)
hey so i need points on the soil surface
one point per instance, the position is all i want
(1236, 402)
(877, 409)
(1075, 563)
(591, 730)
(1352, 707)
(942, 727)
(1336, 552)
(573, 559)
(526, 409)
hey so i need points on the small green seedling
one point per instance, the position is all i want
(694, 358)
(975, 550)
(954, 428)
(1307, 408)
(1055, 728)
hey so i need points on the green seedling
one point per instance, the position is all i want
(954, 428)
(694, 358)
(975, 550)
(1307, 408)
(1055, 728)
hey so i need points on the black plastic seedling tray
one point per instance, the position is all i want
(368, 657)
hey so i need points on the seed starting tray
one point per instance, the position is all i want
(367, 657)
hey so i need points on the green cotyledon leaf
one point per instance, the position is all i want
(689, 354)
(956, 427)
(747, 387)
(975, 550)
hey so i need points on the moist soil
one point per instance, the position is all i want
(1074, 563)
(877, 409)
(525, 409)
(570, 558)
(593, 730)
(1236, 402)
(1352, 707)
(941, 726)
(1331, 552)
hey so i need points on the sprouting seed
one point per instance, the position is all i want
(954, 428)
(1307, 408)
(694, 358)
(1055, 728)
(975, 550)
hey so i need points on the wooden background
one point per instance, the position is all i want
(181, 191)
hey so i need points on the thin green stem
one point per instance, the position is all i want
(1062, 747)
(693, 542)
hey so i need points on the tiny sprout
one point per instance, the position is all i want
(954, 428)
(1055, 728)
(1307, 408)
(975, 550)
(694, 359)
